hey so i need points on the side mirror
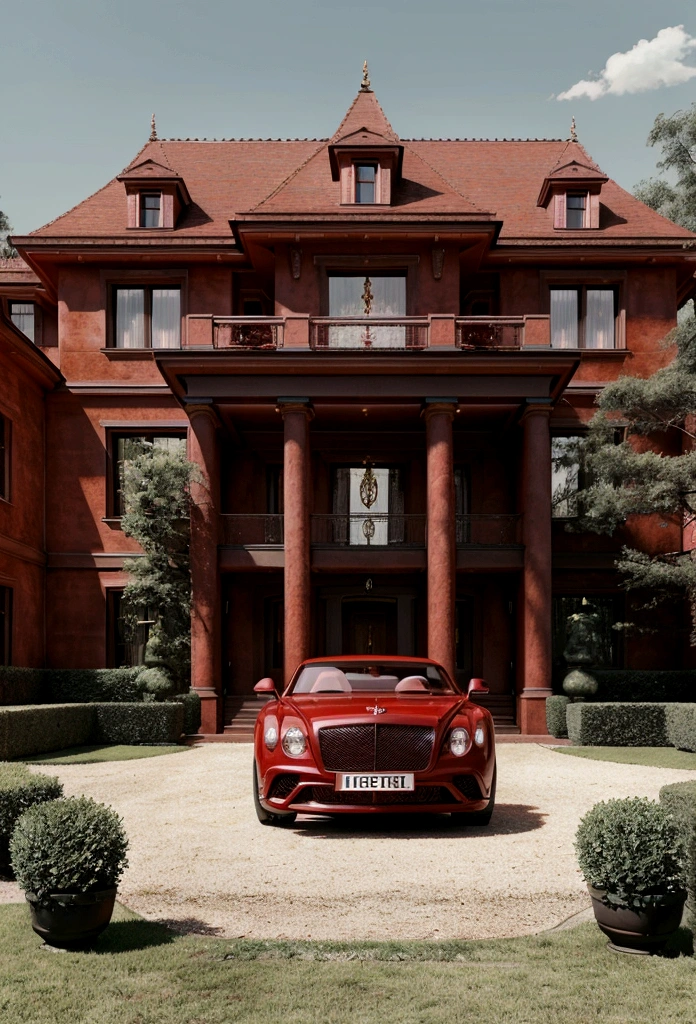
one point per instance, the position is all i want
(477, 686)
(265, 685)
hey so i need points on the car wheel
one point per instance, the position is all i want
(264, 816)
(478, 817)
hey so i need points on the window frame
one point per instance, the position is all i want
(113, 435)
(36, 339)
(111, 281)
(585, 210)
(142, 210)
(582, 281)
(374, 165)
(6, 459)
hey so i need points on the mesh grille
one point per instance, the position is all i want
(381, 748)
(283, 786)
(468, 787)
(421, 795)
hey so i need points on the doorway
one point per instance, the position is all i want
(369, 626)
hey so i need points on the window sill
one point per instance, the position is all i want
(605, 353)
(113, 522)
(128, 353)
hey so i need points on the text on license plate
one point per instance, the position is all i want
(377, 782)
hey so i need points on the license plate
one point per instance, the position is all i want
(380, 782)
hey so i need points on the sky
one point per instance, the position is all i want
(81, 78)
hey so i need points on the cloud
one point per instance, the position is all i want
(650, 64)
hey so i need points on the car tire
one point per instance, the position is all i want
(478, 818)
(264, 816)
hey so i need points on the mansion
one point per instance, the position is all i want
(374, 349)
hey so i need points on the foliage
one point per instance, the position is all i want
(23, 685)
(681, 726)
(21, 789)
(676, 135)
(7, 250)
(556, 716)
(630, 684)
(156, 491)
(192, 712)
(33, 730)
(679, 799)
(156, 684)
(138, 723)
(618, 725)
(632, 850)
(20, 686)
(73, 846)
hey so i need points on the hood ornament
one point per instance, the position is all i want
(376, 710)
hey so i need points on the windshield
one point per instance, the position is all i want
(371, 677)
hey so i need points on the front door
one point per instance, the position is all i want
(370, 626)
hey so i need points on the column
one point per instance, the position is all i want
(536, 581)
(442, 564)
(205, 577)
(297, 413)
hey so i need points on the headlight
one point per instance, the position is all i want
(270, 737)
(479, 736)
(458, 742)
(294, 742)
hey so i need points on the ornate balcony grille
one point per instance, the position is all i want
(482, 332)
(367, 529)
(372, 333)
(246, 332)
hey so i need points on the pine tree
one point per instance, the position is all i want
(676, 135)
(7, 250)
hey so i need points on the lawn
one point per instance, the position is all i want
(141, 973)
(92, 755)
(652, 757)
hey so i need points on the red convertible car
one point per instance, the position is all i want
(373, 734)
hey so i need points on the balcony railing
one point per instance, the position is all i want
(248, 332)
(365, 333)
(379, 530)
(486, 332)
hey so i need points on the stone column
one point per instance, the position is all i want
(536, 582)
(205, 577)
(442, 564)
(296, 413)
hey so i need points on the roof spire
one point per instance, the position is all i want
(573, 133)
(153, 129)
(365, 84)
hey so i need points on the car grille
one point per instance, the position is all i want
(283, 786)
(421, 795)
(468, 787)
(376, 748)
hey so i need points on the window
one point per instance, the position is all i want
(125, 447)
(368, 510)
(22, 316)
(379, 295)
(5, 432)
(150, 210)
(147, 317)
(5, 625)
(575, 210)
(365, 183)
(583, 317)
(125, 647)
(565, 476)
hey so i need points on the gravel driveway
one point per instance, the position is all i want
(200, 861)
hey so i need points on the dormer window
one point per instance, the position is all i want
(365, 183)
(150, 209)
(576, 203)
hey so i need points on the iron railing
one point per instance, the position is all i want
(248, 332)
(252, 530)
(488, 530)
(368, 333)
(486, 332)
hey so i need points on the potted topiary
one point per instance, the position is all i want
(633, 859)
(68, 856)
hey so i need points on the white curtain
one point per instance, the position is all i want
(22, 315)
(599, 329)
(564, 318)
(166, 318)
(130, 318)
(377, 512)
(388, 300)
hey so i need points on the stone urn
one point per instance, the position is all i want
(581, 650)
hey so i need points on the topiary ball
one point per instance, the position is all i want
(157, 683)
(579, 683)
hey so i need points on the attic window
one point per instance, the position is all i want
(576, 203)
(150, 209)
(365, 183)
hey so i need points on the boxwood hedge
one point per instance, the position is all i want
(640, 685)
(679, 798)
(23, 686)
(681, 726)
(139, 723)
(38, 729)
(192, 712)
(19, 790)
(618, 725)
(556, 716)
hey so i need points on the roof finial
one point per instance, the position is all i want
(573, 133)
(153, 129)
(365, 84)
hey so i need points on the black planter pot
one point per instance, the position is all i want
(72, 920)
(642, 931)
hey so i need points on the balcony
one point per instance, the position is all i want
(481, 332)
(365, 333)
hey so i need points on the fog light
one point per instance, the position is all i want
(270, 737)
(479, 736)
(294, 742)
(458, 742)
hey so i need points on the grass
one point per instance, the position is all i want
(653, 757)
(141, 973)
(92, 755)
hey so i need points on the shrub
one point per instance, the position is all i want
(635, 685)
(139, 723)
(632, 850)
(681, 726)
(679, 799)
(556, 716)
(156, 682)
(618, 725)
(20, 789)
(192, 712)
(23, 685)
(71, 846)
(95, 685)
(35, 730)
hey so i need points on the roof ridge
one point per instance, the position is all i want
(288, 178)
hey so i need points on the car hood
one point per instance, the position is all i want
(337, 709)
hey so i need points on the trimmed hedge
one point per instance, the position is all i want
(29, 686)
(556, 716)
(139, 723)
(38, 729)
(19, 790)
(679, 798)
(23, 686)
(681, 726)
(640, 685)
(618, 725)
(192, 712)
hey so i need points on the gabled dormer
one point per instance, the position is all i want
(572, 189)
(155, 195)
(365, 153)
